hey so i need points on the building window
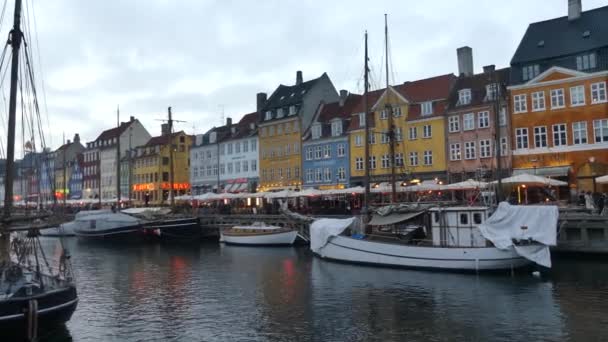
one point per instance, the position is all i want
(398, 135)
(426, 131)
(468, 122)
(296, 126)
(268, 115)
(538, 101)
(414, 158)
(540, 136)
(530, 71)
(287, 149)
(318, 150)
(287, 127)
(292, 110)
(385, 161)
(455, 152)
(454, 123)
(504, 146)
(483, 119)
(361, 119)
(385, 138)
(288, 173)
(399, 159)
(384, 114)
(279, 113)
(600, 129)
(372, 162)
(577, 95)
(327, 174)
(559, 135)
(579, 132)
(318, 175)
(262, 132)
(358, 140)
(237, 147)
(237, 167)
(316, 131)
(271, 131)
(469, 150)
(296, 172)
(502, 116)
(327, 151)
(230, 168)
(519, 103)
(491, 91)
(336, 128)
(279, 129)
(254, 165)
(341, 150)
(485, 148)
(557, 98)
(246, 146)
(428, 157)
(396, 111)
(464, 97)
(586, 62)
(341, 174)
(427, 108)
(598, 92)
(413, 133)
(359, 163)
(372, 138)
(309, 175)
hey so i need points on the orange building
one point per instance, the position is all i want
(560, 126)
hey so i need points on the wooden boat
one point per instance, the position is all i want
(108, 225)
(258, 233)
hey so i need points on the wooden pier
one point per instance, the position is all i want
(582, 233)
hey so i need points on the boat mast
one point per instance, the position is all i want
(65, 185)
(171, 176)
(391, 125)
(366, 135)
(118, 195)
(15, 41)
(497, 143)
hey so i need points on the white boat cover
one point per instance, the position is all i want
(322, 229)
(519, 222)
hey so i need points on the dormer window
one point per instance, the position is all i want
(464, 96)
(336, 128)
(268, 115)
(587, 61)
(280, 113)
(212, 137)
(292, 110)
(427, 108)
(384, 114)
(396, 111)
(530, 71)
(361, 119)
(316, 131)
(491, 91)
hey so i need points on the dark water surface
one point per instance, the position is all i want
(208, 292)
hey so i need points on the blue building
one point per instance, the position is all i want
(325, 148)
(76, 176)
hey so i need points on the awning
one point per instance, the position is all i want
(555, 171)
(229, 187)
(378, 220)
(240, 187)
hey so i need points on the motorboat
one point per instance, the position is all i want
(107, 224)
(258, 233)
(161, 223)
(443, 238)
(68, 228)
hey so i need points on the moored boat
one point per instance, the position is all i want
(108, 225)
(456, 238)
(258, 233)
(175, 228)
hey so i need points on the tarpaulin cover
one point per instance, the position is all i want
(379, 220)
(322, 229)
(517, 222)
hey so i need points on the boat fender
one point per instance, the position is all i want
(32, 320)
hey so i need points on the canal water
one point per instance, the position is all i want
(208, 292)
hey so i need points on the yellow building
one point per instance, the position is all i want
(418, 110)
(283, 117)
(152, 168)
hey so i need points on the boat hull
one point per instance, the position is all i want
(347, 249)
(175, 229)
(125, 233)
(270, 239)
(54, 308)
(65, 229)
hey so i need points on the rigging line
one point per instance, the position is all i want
(2, 15)
(46, 110)
(31, 96)
(35, 99)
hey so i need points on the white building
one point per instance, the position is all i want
(204, 161)
(131, 133)
(239, 156)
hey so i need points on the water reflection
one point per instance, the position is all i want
(219, 293)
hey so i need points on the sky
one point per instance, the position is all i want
(208, 59)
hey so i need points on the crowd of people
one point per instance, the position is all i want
(596, 202)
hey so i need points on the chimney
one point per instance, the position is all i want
(343, 95)
(489, 69)
(77, 138)
(131, 119)
(260, 101)
(228, 122)
(465, 61)
(68, 142)
(574, 9)
(298, 77)
(252, 126)
(164, 129)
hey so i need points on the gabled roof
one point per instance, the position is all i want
(372, 97)
(163, 139)
(285, 96)
(327, 113)
(561, 37)
(114, 132)
(243, 127)
(477, 83)
(428, 89)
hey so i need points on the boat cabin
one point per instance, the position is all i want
(457, 226)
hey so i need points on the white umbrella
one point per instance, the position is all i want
(279, 194)
(602, 180)
(468, 184)
(526, 178)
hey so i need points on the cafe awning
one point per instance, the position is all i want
(554, 171)
(379, 220)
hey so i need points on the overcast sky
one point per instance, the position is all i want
(205, 57)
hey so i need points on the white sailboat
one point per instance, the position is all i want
(258, 233)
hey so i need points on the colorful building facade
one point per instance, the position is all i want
(239, 156)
